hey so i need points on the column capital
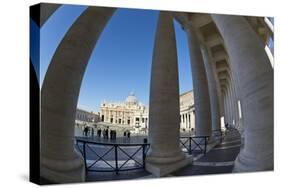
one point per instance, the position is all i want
(203, 47)
(188, 26)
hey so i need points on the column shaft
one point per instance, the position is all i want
(165, 154)
(200, 86)
(215, 113)
(249, 61)
(60, 162)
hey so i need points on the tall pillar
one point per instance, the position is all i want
(227, 105)
(230, 106)
(165, 154)
(250, 62)
(181, 121)
(59, 160)
(233, 107)
(200, 85)
(186, 121)
(192, 120)
(234, 103)
(215, 113)
(224, 109)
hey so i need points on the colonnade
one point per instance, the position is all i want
(250, 61)
(249, 64)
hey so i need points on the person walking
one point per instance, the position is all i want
(93, 132)
(106, 133)
(87, 130)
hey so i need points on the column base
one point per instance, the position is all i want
(163, 169)
(212, 139)
(244, 163)
(62, 171)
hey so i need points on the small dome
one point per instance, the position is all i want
(131, 99)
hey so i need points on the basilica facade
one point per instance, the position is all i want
(133, 113)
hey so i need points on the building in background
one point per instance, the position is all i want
(187, 111)
(83, 116)
(134, 114)
(130, 113)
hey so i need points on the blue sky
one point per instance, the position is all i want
(121, 60)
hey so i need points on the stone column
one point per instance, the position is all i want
(165, 154)
(215, 112)
(59, 160)
(224, 107)
(234, 103)
(186, 122)
(228, 119)
(193, 119)
(230, 110)
(200, 86)
(230, 106)
(181, 120)
(250, 62)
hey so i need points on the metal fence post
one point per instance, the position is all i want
(143, 155)
(85, 157)
(205, 146)
(189, 151)
(116, 158)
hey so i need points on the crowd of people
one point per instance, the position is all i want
(105, 133)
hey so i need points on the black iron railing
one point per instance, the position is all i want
(193, 144)
(110, 155)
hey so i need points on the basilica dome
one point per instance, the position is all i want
(132, 99)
